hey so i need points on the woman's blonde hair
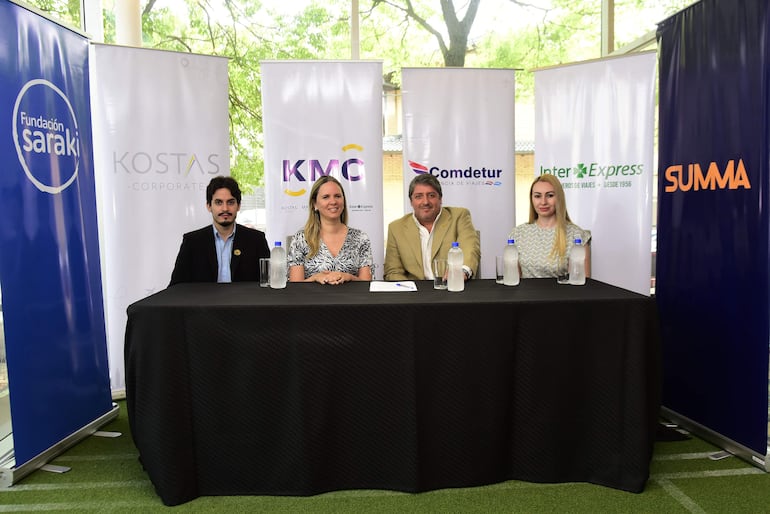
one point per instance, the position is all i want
(313, 224)
(559, 249)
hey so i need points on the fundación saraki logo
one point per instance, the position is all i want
(45, 133)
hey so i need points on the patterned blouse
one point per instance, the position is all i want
(356, 252)
(535, 244)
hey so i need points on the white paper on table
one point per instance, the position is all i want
(379, 286)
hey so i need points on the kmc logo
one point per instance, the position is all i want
(352, 170)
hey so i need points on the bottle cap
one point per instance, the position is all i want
(455, 244)
(277, 243)
(511, 241)
(578, 241)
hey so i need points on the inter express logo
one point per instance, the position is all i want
(692, 178)
(593, 170)
(45, 132)
(304, 170)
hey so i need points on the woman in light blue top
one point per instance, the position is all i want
(545, 241)
(327, 251)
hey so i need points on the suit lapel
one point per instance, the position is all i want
(211, 251)
(415, 247)
(439, 232)
(235, 257)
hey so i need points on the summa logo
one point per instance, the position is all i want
(692, 178)
(45, 132)
(352, 170)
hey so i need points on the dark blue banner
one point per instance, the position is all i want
(49, 254)
(713, 259)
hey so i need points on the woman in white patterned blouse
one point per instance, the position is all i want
(544, 243)
(327, 251)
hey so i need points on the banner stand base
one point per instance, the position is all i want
(716, 438)
(10, 476)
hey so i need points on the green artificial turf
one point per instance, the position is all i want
(106, 476)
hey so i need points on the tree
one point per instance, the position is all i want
(564, 31)
(67, 11)
(246, 33)
(457, 29)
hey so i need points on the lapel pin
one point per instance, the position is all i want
(237, 252)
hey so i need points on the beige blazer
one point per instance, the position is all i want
(403, 254)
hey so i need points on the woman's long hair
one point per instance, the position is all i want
(313, 224)
(559, 249)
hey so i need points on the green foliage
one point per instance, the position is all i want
(566, 31)
(394, 38)
(450, 30)
(401, 33)
(246, 32)
(66, 11)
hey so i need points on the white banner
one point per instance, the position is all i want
(323, 118)
(594, 131)
(160, 134)
(459, 126)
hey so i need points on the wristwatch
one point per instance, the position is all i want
(467, 274)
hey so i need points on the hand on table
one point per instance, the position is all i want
(332, 277)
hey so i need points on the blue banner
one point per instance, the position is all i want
(49, 254)
(712, 261)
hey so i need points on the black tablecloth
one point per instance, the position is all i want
(236, 389)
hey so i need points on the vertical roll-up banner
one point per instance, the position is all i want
(49, 250)
(161, 133)
(713, 250)
(459, 126)
(594, 131)
(323, 118)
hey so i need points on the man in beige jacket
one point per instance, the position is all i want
(417, 238)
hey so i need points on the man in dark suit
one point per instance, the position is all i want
(224, 251)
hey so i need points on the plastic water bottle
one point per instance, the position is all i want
(510, 264)
(577, 264)
(278, 266)
(454, 264)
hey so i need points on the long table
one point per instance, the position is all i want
(233, 389)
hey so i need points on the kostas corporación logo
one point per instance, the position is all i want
(45, 132)
(297, 174)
